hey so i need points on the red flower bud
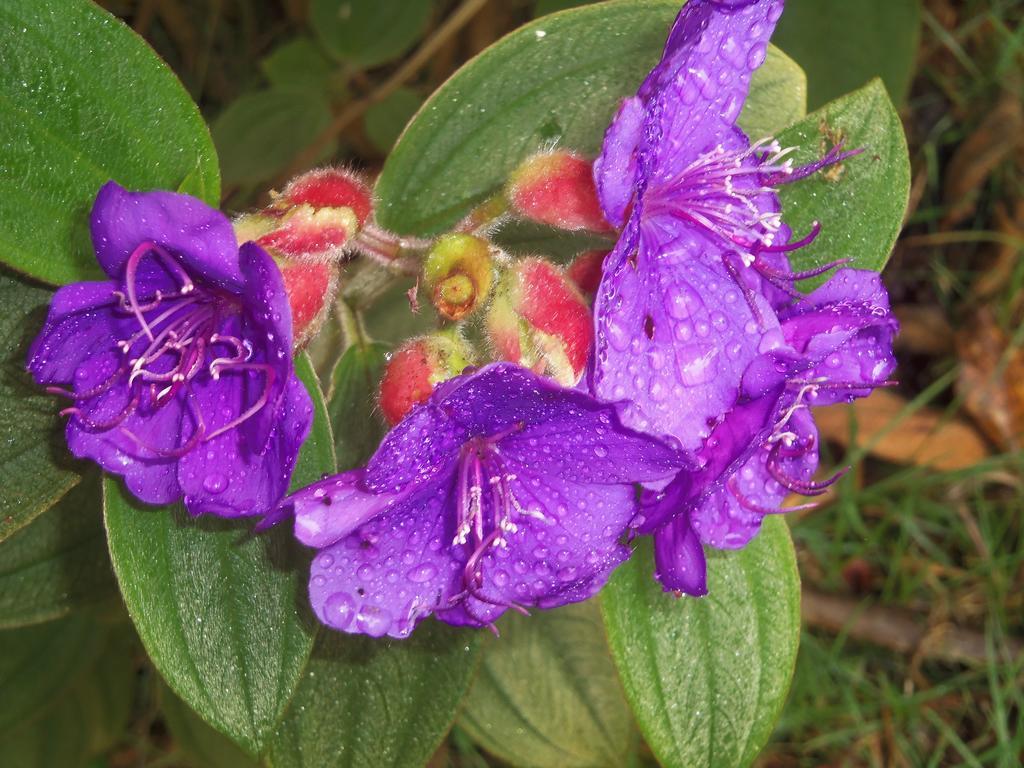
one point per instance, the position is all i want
(585, 272)
(310, 288)
(330, 188)
(457, 274)
(557, 188)
(539, 320)
(416, 367)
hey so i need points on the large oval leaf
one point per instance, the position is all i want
(222, 612)
(84, 100)
(557, 79)
(366, 703)
(707, 678)
(548, 695)
(35, 467)
(861, 202)
(58, 562)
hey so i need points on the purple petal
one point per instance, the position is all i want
(563, 549)
(615, 170)
(731, 516)
(81, 324)
(843, 333)
(679, 559)
(199, 236)
(675, 334)
(149, 476)
(702, 81)
(334, 508)
(267, 327)
(391, 573)
(222, 476)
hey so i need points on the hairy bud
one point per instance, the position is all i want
(416, 367)
(585, 272)
(538, 319)
(557, 188)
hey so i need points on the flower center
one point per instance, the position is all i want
(487, 509)
(177, 340)
(719, 191)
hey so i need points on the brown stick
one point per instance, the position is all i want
(898, 629)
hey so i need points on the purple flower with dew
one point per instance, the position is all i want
(687, 297)
(503, 490)
(838, 346)
(180, 365)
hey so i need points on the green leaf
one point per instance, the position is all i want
(548, 695)
(298, 63)
(370, 703)
(366, 33)
(356, 422)
(83, 100)
(707, 677)
(860, 203)
(221, 612)
(386, 119)
(87, 717)
(35, 467)
(559, 78)
(40, 661)
(205, 746)
(544, 7)
(58, 562)
(843, 45)
(261, 132)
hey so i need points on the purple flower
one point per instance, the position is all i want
(502, 490)
(180, 365)
(687, 297)
(838, 346)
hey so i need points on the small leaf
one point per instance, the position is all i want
(843, 45)
(707, 677)
(58, 562)
(548, 695)
(366, 33)
(355, 420)
(206, 746)
(298, 63)
(83, 100)
(40, 661)
(88, 717)
(35, 466)
(261, 132)
(386, 119)
(570, 72)
(861, 202)
(221, 612)
(366, 703)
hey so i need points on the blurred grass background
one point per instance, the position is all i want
(913, 571)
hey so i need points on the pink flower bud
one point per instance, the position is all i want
(538, 319)
(416, 367)
(557, 188)
(457, 274)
